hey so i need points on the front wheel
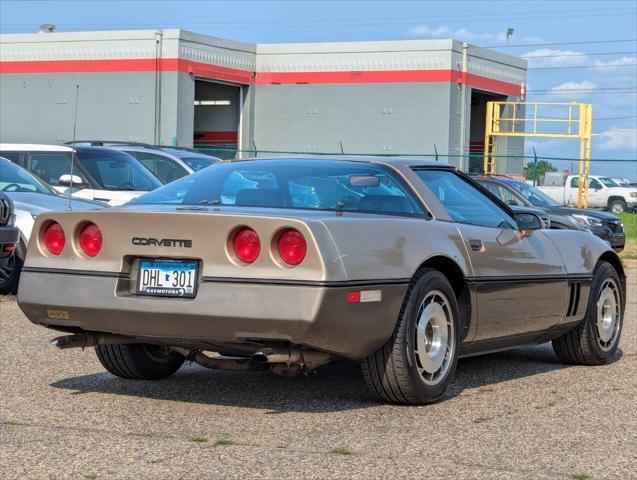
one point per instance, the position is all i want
(418, 362)
(139, 361)
(595, 339)
(617, 206)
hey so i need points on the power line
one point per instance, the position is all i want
(614, 118)
(588, 42)
(582, 54)
(584, 66)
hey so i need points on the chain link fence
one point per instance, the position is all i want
(531, 167)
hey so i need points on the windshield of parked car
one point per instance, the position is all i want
(608, 182)
(293, 184)
(533, 195)
(16, 179)
(114, 170)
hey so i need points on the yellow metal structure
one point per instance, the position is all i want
(541, 119)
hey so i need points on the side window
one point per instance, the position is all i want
(163, 168)
(50, 166)
(594, 184)
(13, 156)
(575, 182)
(463, 202)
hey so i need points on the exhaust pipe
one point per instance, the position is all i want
(306, 359)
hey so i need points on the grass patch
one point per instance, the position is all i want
(224, 441)
(341, 451)
(579, 476)
(199, 439)
(13, 423)
(89, 476)
(630, 228)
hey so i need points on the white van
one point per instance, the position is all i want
(100, 174)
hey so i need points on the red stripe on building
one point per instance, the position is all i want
(229, 137)
(246, 77)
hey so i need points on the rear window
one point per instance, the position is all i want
(115, 170)
(297, 184)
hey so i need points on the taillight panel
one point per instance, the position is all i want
(89, 238)
(246, 244)
(52, 238)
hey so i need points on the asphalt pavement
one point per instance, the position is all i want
(515, 414)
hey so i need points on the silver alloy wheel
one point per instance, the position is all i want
(617, 207)
(608, 314)
(435, 337)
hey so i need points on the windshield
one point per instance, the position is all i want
(114, 170)
(293, 184)
(15, 179)
(533, 195)
(608, 182)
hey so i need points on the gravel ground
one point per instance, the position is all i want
(518, 414)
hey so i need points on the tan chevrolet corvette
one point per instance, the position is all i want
(288, 264)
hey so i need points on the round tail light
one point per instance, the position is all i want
(54, 238)
(292, 247)
(91, 239)
(247, 245)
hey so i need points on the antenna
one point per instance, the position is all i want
(77, 93)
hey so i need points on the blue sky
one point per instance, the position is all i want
(603, 73)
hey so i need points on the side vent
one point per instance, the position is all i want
(573, 298)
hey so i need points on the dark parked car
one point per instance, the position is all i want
(8, 232)
(514, 192)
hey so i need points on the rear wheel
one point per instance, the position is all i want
(595, 339)
(418, 362)
(139, 361)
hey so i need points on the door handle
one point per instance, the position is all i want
(476, 245)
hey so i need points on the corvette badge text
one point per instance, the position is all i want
(161, 242)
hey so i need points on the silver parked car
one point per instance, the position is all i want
(30, 197)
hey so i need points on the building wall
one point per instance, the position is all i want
(363, 118)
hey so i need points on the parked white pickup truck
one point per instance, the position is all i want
(603, 193)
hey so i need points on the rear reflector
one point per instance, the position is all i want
(54, 238)
(292, 247)
(9, 248)
(247, 245)
(91, 239)
(364, 296)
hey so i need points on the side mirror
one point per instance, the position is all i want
(528, 221)
(66, 180)
(512, 202)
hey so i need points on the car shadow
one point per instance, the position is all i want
(337, 387)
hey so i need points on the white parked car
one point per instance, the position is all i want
(166, 163)
(603, 193)
(100, 174)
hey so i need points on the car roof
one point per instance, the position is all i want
(34, 147)
(389, 160)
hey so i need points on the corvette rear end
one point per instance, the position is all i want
(200, 280)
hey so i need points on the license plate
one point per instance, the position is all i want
(167, 278)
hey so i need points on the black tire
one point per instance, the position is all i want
(10, 274)
(393, 372)
(616, 205)
(139, 361)
(583, 345)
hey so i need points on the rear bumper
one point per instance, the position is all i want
(316, 316)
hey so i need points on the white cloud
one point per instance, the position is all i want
(584, 86)
(619, 138)
(617, 62)
(546, 57)
(461, 34)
